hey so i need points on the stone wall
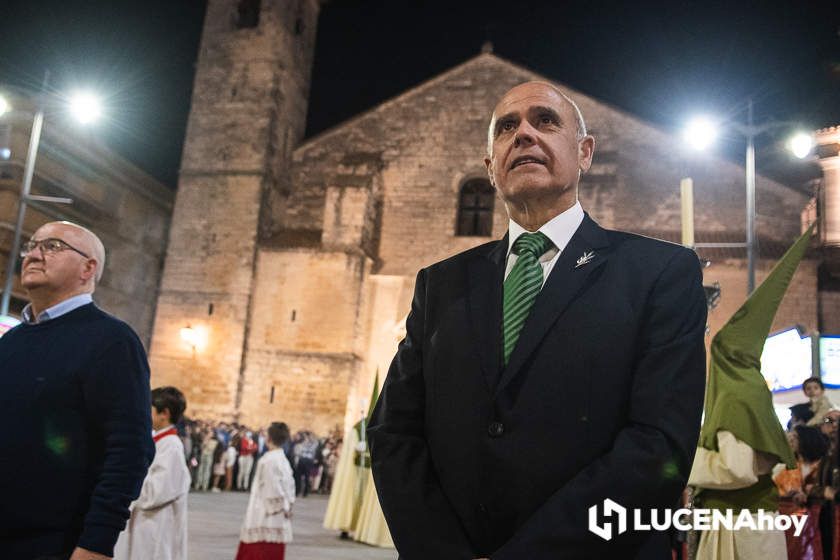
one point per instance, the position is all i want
(306, 340)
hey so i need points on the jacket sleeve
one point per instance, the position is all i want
(168, 478)
(419, 515)
(118, 402)
(650, 460)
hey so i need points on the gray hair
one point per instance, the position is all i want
(581, 125)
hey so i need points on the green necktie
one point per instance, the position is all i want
(522, 285)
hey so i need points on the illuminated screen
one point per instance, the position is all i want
(786, 360)
(830, 360)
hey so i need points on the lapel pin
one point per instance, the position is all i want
(585, 258)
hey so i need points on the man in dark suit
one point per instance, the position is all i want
(542, 373)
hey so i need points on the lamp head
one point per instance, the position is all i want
(800, 144)
(86, 107)
(700, 133)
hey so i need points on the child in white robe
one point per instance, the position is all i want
(268, 521)
(157, 528)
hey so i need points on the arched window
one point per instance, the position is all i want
(475, 208)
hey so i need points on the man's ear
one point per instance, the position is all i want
(89, 269)
(586, 149)
(488, 163)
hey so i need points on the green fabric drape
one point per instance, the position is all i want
(737, 397)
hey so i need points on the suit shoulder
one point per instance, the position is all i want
(625, 240)
(649, 247)
(649, 254)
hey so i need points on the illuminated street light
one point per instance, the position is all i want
(800, 144)
(700, 133)
(4, 105)
(85, 107)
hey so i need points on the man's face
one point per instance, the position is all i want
(535, 147)
(60, 271)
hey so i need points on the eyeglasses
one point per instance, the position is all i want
(829, 420)
(51, 245)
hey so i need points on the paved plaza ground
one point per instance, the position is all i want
(214, 530)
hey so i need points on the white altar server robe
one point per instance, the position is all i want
(157, 529)
(272, 496)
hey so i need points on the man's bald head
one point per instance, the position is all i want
(91, 241)
(538, 149)
(581, 125)
(85, 240)
(62, 260)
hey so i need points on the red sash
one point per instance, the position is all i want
(170, 432)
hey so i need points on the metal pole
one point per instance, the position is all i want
(29, 168)
(750, 170)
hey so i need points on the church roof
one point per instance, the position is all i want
(487, 60)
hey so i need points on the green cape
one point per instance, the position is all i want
(737, 397)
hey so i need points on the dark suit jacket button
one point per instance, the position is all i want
(495, 429)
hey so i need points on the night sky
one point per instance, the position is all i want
(663, 61)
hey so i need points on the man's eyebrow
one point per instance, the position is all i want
(539, 109)
(507, 117)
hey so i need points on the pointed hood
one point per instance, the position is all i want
(737, 397)
(374, 394)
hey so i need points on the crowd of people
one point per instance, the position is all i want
(221, 456)
(813, 488)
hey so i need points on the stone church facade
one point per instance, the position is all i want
(292, 263)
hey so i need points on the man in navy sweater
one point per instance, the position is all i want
(74, 406)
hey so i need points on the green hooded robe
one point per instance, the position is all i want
(737, 397)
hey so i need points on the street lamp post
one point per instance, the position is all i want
(749, 132)
(701, 133)
(25, 196)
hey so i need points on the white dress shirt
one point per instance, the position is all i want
(559, 229)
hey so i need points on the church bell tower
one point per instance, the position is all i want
(248, 112)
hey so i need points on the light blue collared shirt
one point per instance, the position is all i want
(56, 310)
(559, 229)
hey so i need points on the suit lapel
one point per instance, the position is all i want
(564, 284)
(486, 274)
